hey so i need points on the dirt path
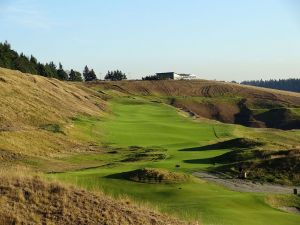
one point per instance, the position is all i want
(244, 185)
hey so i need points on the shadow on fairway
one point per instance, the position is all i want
(195, 149)
(200, 161)
(121, 176)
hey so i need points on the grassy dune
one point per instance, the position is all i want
(35, 113)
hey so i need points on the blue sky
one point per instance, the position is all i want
(215, 39)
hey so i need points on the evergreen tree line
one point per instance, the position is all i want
(292, 84)
(10, 59)
(115, 75)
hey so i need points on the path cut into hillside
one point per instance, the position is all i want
(244, 185)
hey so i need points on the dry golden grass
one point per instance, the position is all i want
(38, 143)
(32, 200)
(32, 104)
(29, 100)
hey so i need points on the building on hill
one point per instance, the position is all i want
(175, 76)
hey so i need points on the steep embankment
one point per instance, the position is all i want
(29, 100)
(226, 102)
(35, 111)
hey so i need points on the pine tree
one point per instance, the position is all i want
(78, 76)
(89, 75)
(41, 69)
(62, 75)
(33, 60)
(115, 75)
(92, 75)
(85, 73)
(75, 76)
(52, 71)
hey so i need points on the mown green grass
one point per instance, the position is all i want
(136, 122)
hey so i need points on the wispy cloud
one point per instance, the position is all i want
(26, 14)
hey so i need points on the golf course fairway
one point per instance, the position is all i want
(141, 123)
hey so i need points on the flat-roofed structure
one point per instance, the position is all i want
(166, 76)
(175, 76)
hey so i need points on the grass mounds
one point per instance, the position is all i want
(246, 155)
(26, 200)
(242, 155)
(282, 118)
(263, 165)
(151, 175)
(236, 143)
(145, 154)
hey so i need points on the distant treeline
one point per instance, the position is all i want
(281, 84)
(10, 59)
(115, 75)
